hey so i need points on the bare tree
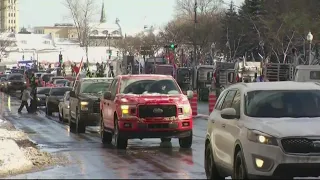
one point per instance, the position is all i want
(186, 7)
(82, 12)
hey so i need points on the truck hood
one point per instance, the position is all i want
(283, 127)
(90, 96)
(145, 99)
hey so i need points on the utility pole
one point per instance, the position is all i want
(195, 61)
(195, 35)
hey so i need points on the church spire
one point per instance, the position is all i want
(103, 15)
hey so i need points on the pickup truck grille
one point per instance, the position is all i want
(17, 83)
(300, 145)
(146, 111)
(96, 107)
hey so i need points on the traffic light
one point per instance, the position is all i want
(60, 60)
(110, 53)
(171, 46)
(117, 53)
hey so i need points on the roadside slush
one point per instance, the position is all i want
(18, 154)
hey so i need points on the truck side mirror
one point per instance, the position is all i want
(107, 95)
(231, 77)
(190, 94)
(72, 94)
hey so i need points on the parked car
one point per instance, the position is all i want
(2, 83)
(14, 82)
(45, 78)
(52, 78)
(60, 82)
(42, 93)
(145, 106)
(85, 103)
(64, 107)
(264, 130)
(54, 97)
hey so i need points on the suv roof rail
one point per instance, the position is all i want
(244, 84)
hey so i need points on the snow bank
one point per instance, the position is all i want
(18, 154)
(14, 135)
(12, 159)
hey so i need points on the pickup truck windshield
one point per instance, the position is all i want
(149, 86)
(43, 90)
(59, 91)
(16, 77)
(94, 87)
(288, 103)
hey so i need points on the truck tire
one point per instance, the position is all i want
(80, 126)
(106, 137)
(186, 142)
(120, 142)
(48, 112)
(72, 125)
(210, 165)
(165, 139)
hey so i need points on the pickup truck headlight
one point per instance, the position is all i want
(124, 109)
(84, 106)
(38, 99)
(186, 109)
(262, 138)
(9, 82)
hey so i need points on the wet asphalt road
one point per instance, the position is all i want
(144, 159)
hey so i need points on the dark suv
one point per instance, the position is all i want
(85, 103)
(15, 81)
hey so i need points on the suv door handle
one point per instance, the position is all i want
(223, 125)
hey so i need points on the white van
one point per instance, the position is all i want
(307, 73)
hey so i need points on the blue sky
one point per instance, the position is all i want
(133, 14)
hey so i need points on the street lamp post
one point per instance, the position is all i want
(310, 38)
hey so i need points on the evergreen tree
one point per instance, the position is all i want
(231, 31)
(250, 14)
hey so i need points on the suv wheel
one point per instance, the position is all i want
(80, 126)
(165, 139)
(186, 142)
(120, 143)
(106, 137)
(61, 117)
(72, 125)
(239, 168)
(210, 166)
(48, 112)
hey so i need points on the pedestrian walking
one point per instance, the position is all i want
(24, 100)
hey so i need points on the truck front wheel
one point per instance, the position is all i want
(80, 126)
(106, 137)
(120, 142)
(186, 142)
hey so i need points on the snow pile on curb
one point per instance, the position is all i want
(18, 154)
(12, 159)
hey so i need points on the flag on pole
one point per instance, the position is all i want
(79, 70)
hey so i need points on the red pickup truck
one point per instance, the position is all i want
(145, 106)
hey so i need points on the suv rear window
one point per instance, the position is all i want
(315, 75)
